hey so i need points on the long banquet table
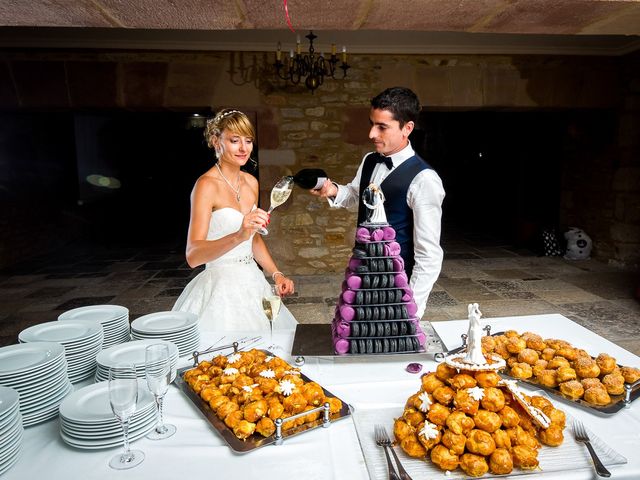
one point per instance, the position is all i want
(197, 451)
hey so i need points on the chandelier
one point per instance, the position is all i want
(310, 67)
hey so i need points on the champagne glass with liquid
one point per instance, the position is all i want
(271, 302)
(279, 194)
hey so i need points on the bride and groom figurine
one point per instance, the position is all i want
(373, 199)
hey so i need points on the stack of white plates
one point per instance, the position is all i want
(134, 353)
(180, 328)
(81, 340)
(87, 421)
(11, 429)
(114, 320)
(38, 372)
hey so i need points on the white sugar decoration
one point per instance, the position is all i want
(268, 373)
(268, 359)
(247, 388)
(292, 372)
(425, 402)
(230, 371)
(287, 387)
(477, 393)
(234, 357)
(429, 431)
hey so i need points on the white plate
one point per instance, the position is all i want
(105, 433)
(8, 400)
(131, 352)
(37, 403)
(24, 357)
(98, 313)
(91, 404)
(173, 337)
(60, 332)
(164, 322)
(97, 445)
(106, 426)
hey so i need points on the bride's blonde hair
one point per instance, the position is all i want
(228, 119)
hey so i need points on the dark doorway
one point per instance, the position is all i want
(502, 171)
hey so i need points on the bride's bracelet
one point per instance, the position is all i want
(277, 272)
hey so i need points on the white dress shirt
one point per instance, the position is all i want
(424, 198)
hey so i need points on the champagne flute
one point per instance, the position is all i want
(158, 370)
(123, 395)
(271, 302)
(279, 194)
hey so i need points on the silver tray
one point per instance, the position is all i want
(618, 402)
(255, 441)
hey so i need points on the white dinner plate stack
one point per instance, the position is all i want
(131, 352)
(11, 430)
(38, 372)
(87, 421)
(180, 328)
(82, 340)
(114, 320)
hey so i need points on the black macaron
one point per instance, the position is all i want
(391, 312)
(402, 346)
(394, 329)
(405, 313)
(366, 282)
(393, 345)
(403, 328)
(383, 313)
(362, 346)
(367, 297)
(362, 269)
(375, 314)
(355, 329)
(375, 297)
(353, 346)
(384, 280)
(385, 345)
(387, 329)
(392, 281)
(369, 347)
(411, 328)
(389, 264)
(375, 281)
(359, 298)
(380, 329)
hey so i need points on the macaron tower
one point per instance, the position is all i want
(375, 313)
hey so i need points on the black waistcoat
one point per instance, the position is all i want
(395, 188)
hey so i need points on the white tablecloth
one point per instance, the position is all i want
(196, 450)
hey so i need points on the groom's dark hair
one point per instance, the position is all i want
(401, 102)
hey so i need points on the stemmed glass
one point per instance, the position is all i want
(279, 194)
(123, 395)
(271, 302)
(157, 364)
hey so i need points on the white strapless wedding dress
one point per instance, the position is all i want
(227, 295)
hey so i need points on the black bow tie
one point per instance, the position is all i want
(382, 159)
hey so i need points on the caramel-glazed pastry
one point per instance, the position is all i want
(430, 382)
(459, 423)
(556, 415)
(493, 399)
(606, 363)
(502, 439)
(444, 395)
(254, 411)
(429, 435)
(509, 417)
(462, 380)
(487, 379)
(500, 462)
(564, 374)
(525, 457)
(335, 404)
(552, 436)
(548, 378)
(535, 342)
(444, 372)
(244, 429)
(540, 402)
(548, 353)
(591, 382)
(572, 389)
(402, 429)
(567, 352)
(557, 362)
(412, 446)
(465, 402)
(265, 427)
(515, 345)
(413, 416)
(480, 442)
(539, 366)
(438, 414)
(488, 344)
(487, 421)
(586, 367)
(454, 442)
(630, 374)
(473, 465)
(444, 458)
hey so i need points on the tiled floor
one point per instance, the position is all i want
(505, 281)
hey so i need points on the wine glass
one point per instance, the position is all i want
(123, 395)
(271, 302)
(157, 364)
(279, 194)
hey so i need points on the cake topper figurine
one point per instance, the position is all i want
(474, 337)
(373, 199)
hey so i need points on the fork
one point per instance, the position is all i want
(385, 440)
(581, 435)
(380, 435)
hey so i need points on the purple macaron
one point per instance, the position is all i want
(341, 346)
(398, 264)
(354, 263)
(412, 308)
(347, 313)
(348, 296)
(392, 249)
(377, 235)
(389, 233)
(354, 282)
(362, 235)
(400, 280)
(343, 329)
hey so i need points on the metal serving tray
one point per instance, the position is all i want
(255, 441)
(618, 402)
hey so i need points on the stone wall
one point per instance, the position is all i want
(329, 128)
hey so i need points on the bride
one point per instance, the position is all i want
(227, 295)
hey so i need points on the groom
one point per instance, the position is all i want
(413, 190)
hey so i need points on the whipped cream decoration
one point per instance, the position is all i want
(233, 358)
(287, 387)
(230, 371)
(247, 389)
(268, 373)
(477, 393)
(429, 431)
(425, 402)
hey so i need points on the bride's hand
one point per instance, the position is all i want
(285, 285)
(253, 221)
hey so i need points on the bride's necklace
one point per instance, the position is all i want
(236, 189)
